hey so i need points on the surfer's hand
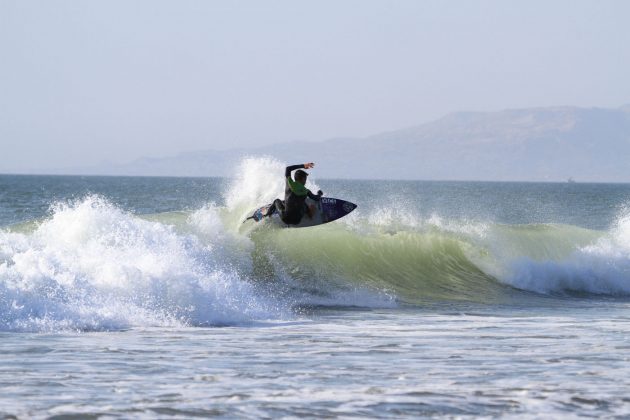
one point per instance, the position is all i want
(320, 192)
(308, 165)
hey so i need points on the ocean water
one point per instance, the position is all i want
(130, 297)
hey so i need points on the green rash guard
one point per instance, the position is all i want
(297, 188)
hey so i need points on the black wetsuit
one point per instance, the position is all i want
(294, 206)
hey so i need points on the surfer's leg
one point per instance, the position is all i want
(278, 206)
(309, 210)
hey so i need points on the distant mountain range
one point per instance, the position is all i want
(535, 144)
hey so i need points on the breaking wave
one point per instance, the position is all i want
(91, 265)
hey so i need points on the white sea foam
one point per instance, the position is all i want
(94, 266)
(256, 181)
(601, 267)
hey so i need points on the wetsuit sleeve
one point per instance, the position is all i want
(287, 172)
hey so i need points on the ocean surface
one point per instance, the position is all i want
(130, 297)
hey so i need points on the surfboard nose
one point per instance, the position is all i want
(348, 206)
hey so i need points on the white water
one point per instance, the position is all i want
(94, 266)
(600, 267)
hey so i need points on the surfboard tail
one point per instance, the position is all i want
(261, 213)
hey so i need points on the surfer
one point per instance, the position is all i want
(293, 208)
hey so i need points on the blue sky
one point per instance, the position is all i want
(83, 82)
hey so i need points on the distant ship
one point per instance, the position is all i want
(571, 180)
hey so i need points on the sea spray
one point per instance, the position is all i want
(94, 266)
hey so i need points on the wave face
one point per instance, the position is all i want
(91, 265)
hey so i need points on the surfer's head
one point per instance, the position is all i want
(300, 176)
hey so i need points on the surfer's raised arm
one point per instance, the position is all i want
(291, 168)
(300, 177)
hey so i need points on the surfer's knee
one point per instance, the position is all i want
(310, 210)
(278, 204)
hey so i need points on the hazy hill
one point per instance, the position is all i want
(536, 144)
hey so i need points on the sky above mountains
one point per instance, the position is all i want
(83, 83)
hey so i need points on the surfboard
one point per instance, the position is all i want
(326, 210)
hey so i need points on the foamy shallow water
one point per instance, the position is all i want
(454, 360)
